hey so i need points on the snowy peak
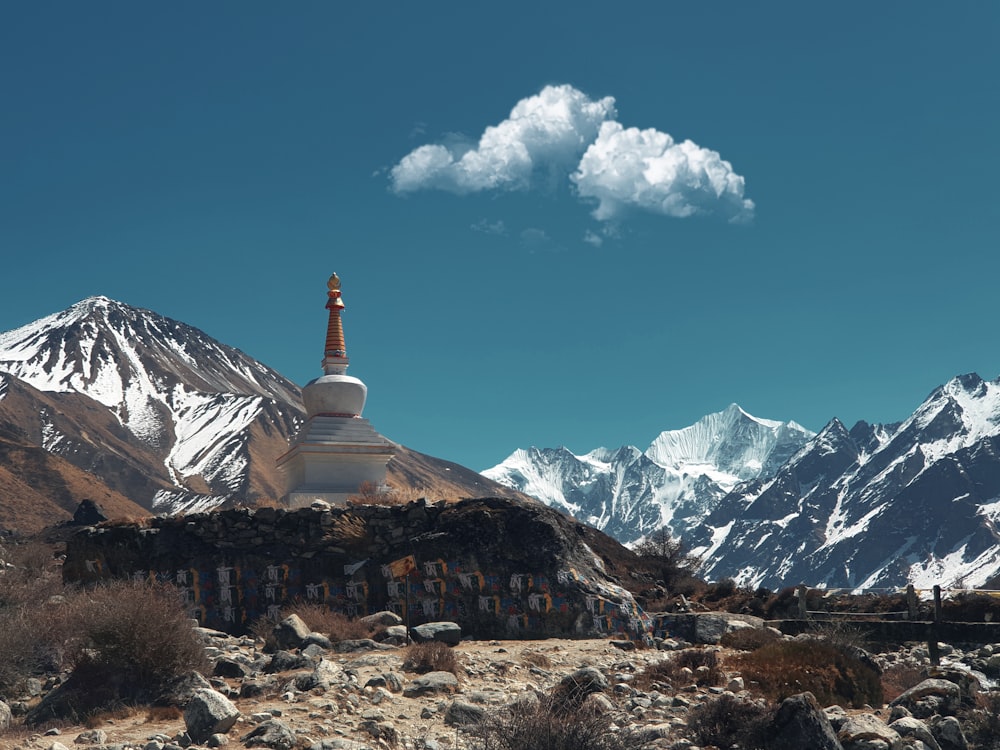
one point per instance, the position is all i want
(677, 481)
(178, 392)
(732, 442)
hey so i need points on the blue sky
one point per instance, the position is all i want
(215, 162)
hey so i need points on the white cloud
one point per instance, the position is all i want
(490, 227)
(562, 133)
(593, 238)
(628, 167)
(547, 131)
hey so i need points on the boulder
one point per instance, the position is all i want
(291, 632)
(209, 712)
(5, 716)
(867, 732)
(385, 618)
(443, 632)
(271, 733)
(801, 723)
(89, 513)
(354, 645)
(460, 713)
(930, 697)
(432, 682)
(948, 733)
(910, 729)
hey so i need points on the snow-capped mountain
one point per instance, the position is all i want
(875, 506)
(162, 414)
(676, 482)
(200, 407)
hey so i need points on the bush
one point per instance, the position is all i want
(668, 558)
(537, 725)
(703, 663)
(727, 721)
(898, 678)
(749, 639)
(832, 672)
(981, 724)
(337, 626)
(431, 656)
(126, 644)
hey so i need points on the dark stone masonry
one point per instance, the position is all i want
(496, 567)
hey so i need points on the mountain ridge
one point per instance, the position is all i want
(166, 415)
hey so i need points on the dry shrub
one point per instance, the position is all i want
(703, 663)
(432, 656)
(31, 625)
(831, 672)
(160, 714)
(126, 643)
(348, 530)
(540, 726)
(898, 678)
(536, 659)
(981, 724)
(727, 721)
(749, 639)
(335, 625)
(370, 493)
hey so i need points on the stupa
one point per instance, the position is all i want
(336, 451)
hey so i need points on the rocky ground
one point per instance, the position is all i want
(357, 695)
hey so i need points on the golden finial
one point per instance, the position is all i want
(334, 283)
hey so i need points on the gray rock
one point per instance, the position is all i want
(290, 632)
(393, 682)
(930, 697)
(432, 682)
(360, 644)
(323, 677)
(218, 740)
(5, 716)
(384, 618)
(864, 732)
(910, 728)
(207, 713)
(227, 667)
(443, 632)
(460, 713)
(317, 640)
(948, 733)
(582, 682)
(91, 737)
(800, 723)
(271, 733)
(286, 661)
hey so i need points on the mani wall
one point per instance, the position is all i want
(497, 567)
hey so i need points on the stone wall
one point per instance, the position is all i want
(499, 568)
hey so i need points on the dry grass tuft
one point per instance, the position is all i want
(832, 672)
(703, 665)
(431, 656)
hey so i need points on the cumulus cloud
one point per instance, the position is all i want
(593, 238)
(547, 131)
(628, 167)
(564, 134)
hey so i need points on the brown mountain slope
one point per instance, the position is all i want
(437, 479)
(38, 489)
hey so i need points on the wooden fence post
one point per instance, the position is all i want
(800, 592)
(937, 604)
(911, 602)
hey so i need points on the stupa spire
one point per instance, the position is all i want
(335, 353)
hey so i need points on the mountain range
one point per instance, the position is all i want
(771, 504)
(145, 414)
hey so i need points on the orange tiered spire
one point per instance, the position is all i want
(335, 346)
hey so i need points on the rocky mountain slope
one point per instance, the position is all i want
(675, 482)
(771, 504)
(875, 505)
(163, 414)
